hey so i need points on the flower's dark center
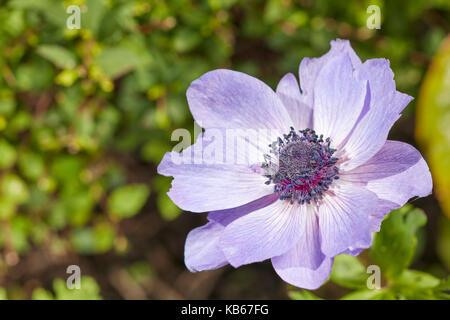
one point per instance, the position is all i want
(301, 166)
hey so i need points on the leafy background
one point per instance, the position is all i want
(86, 115)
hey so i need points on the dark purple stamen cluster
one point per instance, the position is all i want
(302, 166)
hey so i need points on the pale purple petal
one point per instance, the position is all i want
(262, 234)
(204, 187)
(307, 252)
(375, 219)
(304, 277)
(344, 218)
(370, 133)
(201, 251)
(233, 100)
(289, 93)
(415, 181)
(338, 99)
(396, 173)
(310, 67)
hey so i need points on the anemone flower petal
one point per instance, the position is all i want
(304, 277)
(307, 252)
(233, 100)
(344, 218)
(370, 133)
(201, 251)
(396, 173)
(338, 99)
(199, 187)
(263, 234)
(289, 93)
(310, 67)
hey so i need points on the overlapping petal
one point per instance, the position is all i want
(201, 251)
(304, 277)
(230, 99)
(263, 234)
(384, 107)
(339, 99)
(307, 252)
(396, 173)
(344, 218)
(289, 93)
(199, 187)
(310, 67)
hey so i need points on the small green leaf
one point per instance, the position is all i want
(3, 294)
(31, 165)
(14, 189)
(58, 55)
(89, 290)
(349, 272)
(393, 247)
(369, 294)
(125, 202)
(168, 210)
(8, 155)
(303, 295)
(41, 294)
(417, 279)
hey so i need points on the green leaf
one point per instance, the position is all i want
(3, 294)
(303, 295)
(58, 55)
(349, 272)
(117, 60)
(7, 208)
(417, 279)
(41, 294)
(8, 155)
(31, 165)
(433, 118)
(125, 202)
(369, 294)
(168, 210)
(88, 240)
(14, 189)
(418, 285)
(89, 290)
(393, 247)
(443, 241)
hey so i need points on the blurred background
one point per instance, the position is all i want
(86, 115)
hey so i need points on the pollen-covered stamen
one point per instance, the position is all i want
(301, 166)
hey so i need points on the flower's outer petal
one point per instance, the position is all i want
(304, 277)
(262, 234)
(289, 93)
(233, 100)
(201, 251)
(344, 218)
(338, 99)
(396, 173)
(310, 67)
(385, 104)
(307, 252)
(375, 219)
(201, 187)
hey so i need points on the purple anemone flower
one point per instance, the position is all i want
(315, 184)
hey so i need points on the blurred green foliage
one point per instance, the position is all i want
(86, 114)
